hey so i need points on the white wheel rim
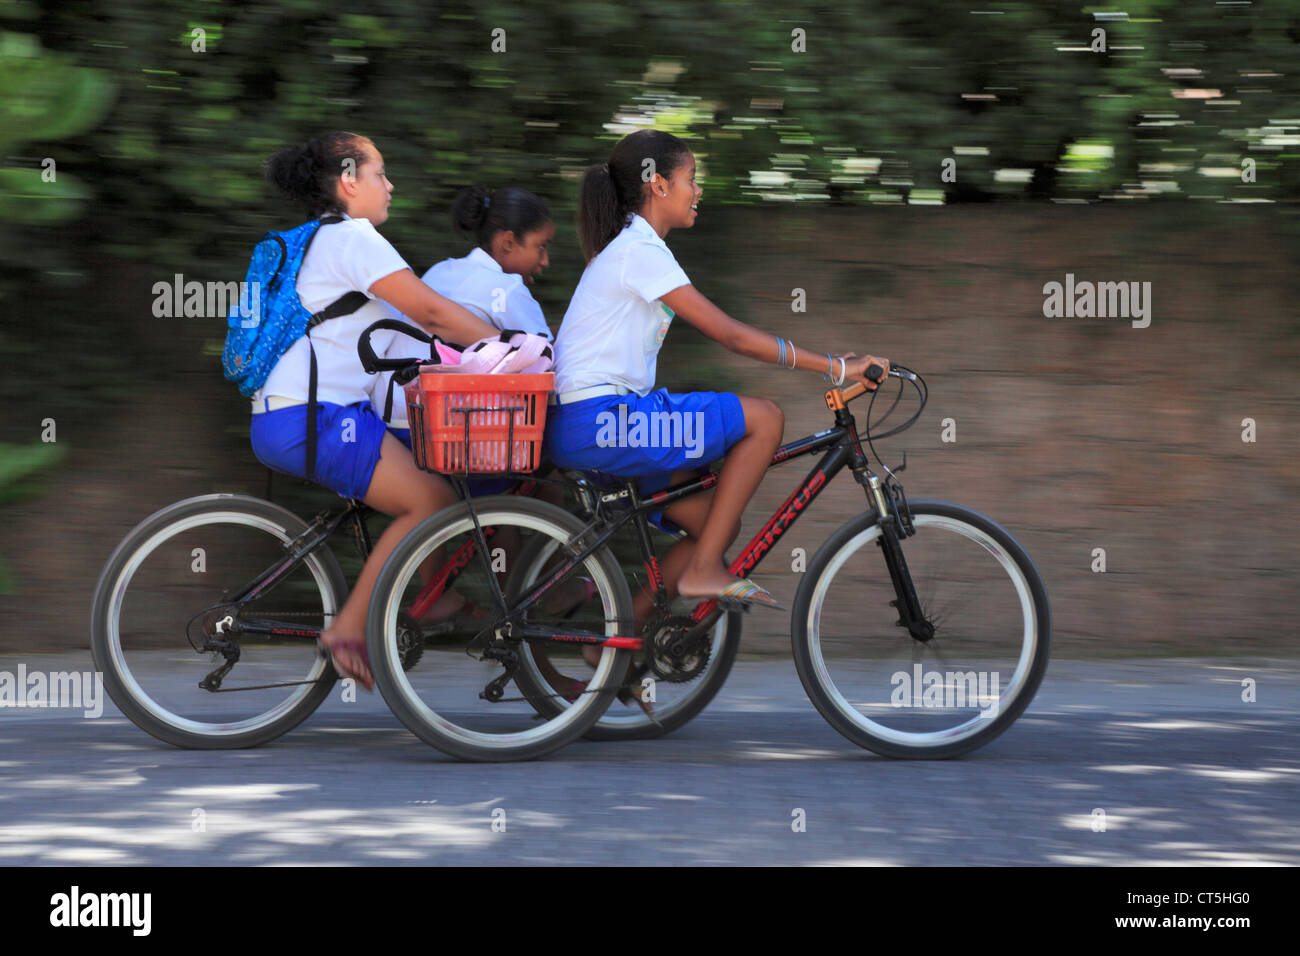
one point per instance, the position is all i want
(402, 685)
(118, 594)
(938, 738)
(630, 717)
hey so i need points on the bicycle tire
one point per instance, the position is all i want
(629, 722)
(945, 532)
(447, 725)
(142, 680)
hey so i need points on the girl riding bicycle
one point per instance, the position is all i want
(357, 456)
(511, 228)
(606, 355)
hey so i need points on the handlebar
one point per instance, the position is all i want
(406, 368)
(837, 398)
(373, 363)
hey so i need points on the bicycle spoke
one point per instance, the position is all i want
(454, 696)
(901, 694)
(174, 654)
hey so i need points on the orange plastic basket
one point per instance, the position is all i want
(477, 424)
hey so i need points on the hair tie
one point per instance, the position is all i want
(487, 202)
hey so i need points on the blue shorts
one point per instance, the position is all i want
(349, 439)
(647, 438)
(348, 443)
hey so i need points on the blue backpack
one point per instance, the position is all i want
(255, 343)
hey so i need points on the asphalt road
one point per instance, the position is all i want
(1184, 770)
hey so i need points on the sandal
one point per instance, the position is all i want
(743, 594)
(627, 695)
(357, 647)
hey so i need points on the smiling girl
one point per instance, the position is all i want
(607, 350)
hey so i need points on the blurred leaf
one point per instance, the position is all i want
(27, 200)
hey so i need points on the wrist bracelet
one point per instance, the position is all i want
(843, 372)
(794, 355)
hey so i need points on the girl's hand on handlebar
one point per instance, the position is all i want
(856, 368)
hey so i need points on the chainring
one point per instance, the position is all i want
(410, 641)
(671, 656)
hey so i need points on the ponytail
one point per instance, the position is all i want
(611, 192)
(308, 174)
(601, 215)
(482, 213)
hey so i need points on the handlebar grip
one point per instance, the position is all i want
(838, 398)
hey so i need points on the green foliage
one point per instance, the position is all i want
(46, 98)
(863, 107)
(24, 470)
(866, 104)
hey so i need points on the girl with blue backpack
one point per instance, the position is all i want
(348, 273)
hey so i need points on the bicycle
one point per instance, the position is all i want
(275, 585)
(205, 618)
(913, 713)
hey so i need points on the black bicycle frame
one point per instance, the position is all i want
(296, 551)
(842, 448)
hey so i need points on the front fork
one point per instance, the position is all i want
(895, 519)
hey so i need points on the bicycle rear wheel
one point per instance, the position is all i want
(548, 673)
(899, 696)
(457, 697)
(158, 624)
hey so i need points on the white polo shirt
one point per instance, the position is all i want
(344, 257)
(478, 282)
(615, 323)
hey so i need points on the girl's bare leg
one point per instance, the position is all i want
(704, 574)
(690, 515)
(400, 489)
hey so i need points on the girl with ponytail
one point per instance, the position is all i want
(606, 354)
(511, 229)
(342, 175)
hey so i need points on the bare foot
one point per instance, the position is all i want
(569, 597)
(349, 656)
(696, 583)
(448, 603)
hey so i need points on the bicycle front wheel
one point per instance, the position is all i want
(901, 696)
(161, 624)
(456, 695)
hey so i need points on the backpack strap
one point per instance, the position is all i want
(311, 414)
(345, 304)
(403, 369)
